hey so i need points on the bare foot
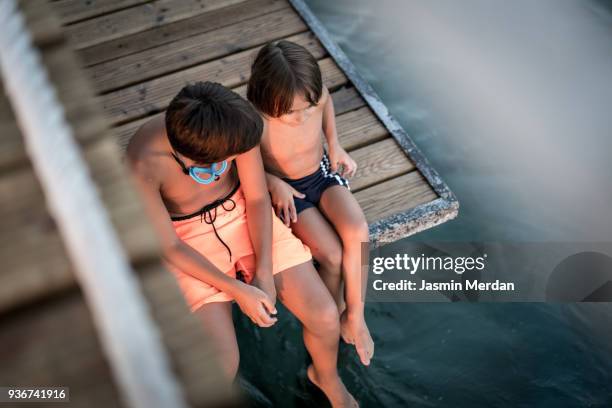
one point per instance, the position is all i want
(355, 331)
(334, 390)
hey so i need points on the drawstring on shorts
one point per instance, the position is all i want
(208, 214)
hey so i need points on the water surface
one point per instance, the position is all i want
(510, 102)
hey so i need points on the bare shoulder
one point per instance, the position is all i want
(143, 150)
(266, 129)
(145, 137)
(325, 96)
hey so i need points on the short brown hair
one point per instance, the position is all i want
(281, 70)
(207, 122)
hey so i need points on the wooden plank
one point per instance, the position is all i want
(43, 28)
(34, 264)
(50, 321)
(12, 149)
(111, 175)
(194, 50)
(32, 253)
(185, 339)
(394, 196)
(347, 99)
(56, 345)
(71, 11)
(153, 96)
(359, 128)
(6, 111)
(379, 162)
(74, 92)
(124, 133)
(71, 348)
(76, 96)
(136, 19)
(197, 24)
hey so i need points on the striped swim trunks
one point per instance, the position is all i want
(313, 185)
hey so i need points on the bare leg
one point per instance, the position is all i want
(342, 210)
(301, 290)
(217, 321)
(315, 231)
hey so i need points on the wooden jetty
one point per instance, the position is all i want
(138, 56)
(115, 64)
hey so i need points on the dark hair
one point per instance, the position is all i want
(281, 70)
(207, 122)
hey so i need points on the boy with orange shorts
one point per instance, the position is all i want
(200, 172)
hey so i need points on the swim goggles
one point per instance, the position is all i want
(212, 173)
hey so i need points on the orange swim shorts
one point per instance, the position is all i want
(231, 227)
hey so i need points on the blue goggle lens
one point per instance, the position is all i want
(213, 172)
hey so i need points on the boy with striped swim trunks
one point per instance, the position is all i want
(307, 183)
(200, 172)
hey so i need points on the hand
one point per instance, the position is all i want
(256, 304)
(282, 199)
(265, 284)
(338, 157)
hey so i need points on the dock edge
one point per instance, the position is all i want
(421, 217)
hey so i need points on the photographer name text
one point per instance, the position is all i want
(433, 264)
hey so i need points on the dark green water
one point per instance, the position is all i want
(447, 355)
(510, 102)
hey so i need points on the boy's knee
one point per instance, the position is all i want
(328, 319)
(331, 259)
(357, 231)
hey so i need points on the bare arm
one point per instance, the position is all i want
(329, 120)
(282, 198)
(259, 217)
(339, 158)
